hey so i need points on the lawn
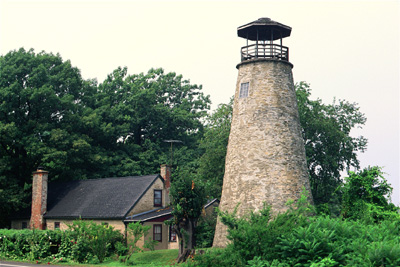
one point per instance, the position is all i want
(155, 258)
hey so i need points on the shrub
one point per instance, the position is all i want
(91, 241)
(205, 231)
(296, 238)
(83, 242)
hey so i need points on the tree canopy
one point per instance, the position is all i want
(78, 129)
(366, 196)
(330, 149)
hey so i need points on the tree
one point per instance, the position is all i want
(76, 129)
(143, 110)
(188, 198)
(329, 147)
(214, 143)
(42, 105)
(366, 195)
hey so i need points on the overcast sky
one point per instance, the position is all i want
(344, 49)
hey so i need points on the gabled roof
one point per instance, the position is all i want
(107, 198)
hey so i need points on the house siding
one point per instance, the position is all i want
(165, 244)
(116, 224)
(146, 203)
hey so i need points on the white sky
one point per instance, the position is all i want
(344, 49)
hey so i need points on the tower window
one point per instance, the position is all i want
(244, 90)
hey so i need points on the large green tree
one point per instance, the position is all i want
(214, 144)
(141, 111)
(366, 196)
(330, 149)
(77, 129)
(42, 103)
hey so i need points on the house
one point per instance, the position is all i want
(113, 201)
(107, 201)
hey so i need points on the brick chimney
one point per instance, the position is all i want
(166, 175)
(39, 198)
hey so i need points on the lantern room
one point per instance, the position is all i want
(262, 38)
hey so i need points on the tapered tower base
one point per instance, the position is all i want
(266, 161)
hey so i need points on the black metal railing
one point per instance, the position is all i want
(260, 50)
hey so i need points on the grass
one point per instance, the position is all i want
(155, 258)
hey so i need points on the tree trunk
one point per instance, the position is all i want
(187, 241)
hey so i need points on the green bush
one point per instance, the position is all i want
(205, 231)
(92, 242)
(300, 238)
(28, 244)
(83, 242)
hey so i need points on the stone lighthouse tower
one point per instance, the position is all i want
(265, 161)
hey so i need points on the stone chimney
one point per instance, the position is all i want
(39, 198)
(166, 175)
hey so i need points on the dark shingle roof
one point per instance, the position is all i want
(108, 198)
(149, 215)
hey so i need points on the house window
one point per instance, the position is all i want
(172, 234)
(24, 225)
(244, 90)
(56, 225)
(157, 232)
(157, 198)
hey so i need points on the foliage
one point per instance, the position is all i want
(91, 238)
(42, 98)
(257, 234)
(140, 111)
(214, 143)
(366, 196)
(137, 231)
(31, 245)
(77, 129)
(205, 231)
(188, 198)
(296, 238)
(83, 242)
(329, 147)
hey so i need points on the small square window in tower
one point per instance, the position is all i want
(244, 90)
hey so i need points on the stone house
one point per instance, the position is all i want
(114, 201)
(108, 201)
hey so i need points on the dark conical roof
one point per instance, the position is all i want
(265, 28)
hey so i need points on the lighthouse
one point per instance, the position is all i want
(265, 160)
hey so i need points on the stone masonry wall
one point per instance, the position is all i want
(265, 159)
(146, 203)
